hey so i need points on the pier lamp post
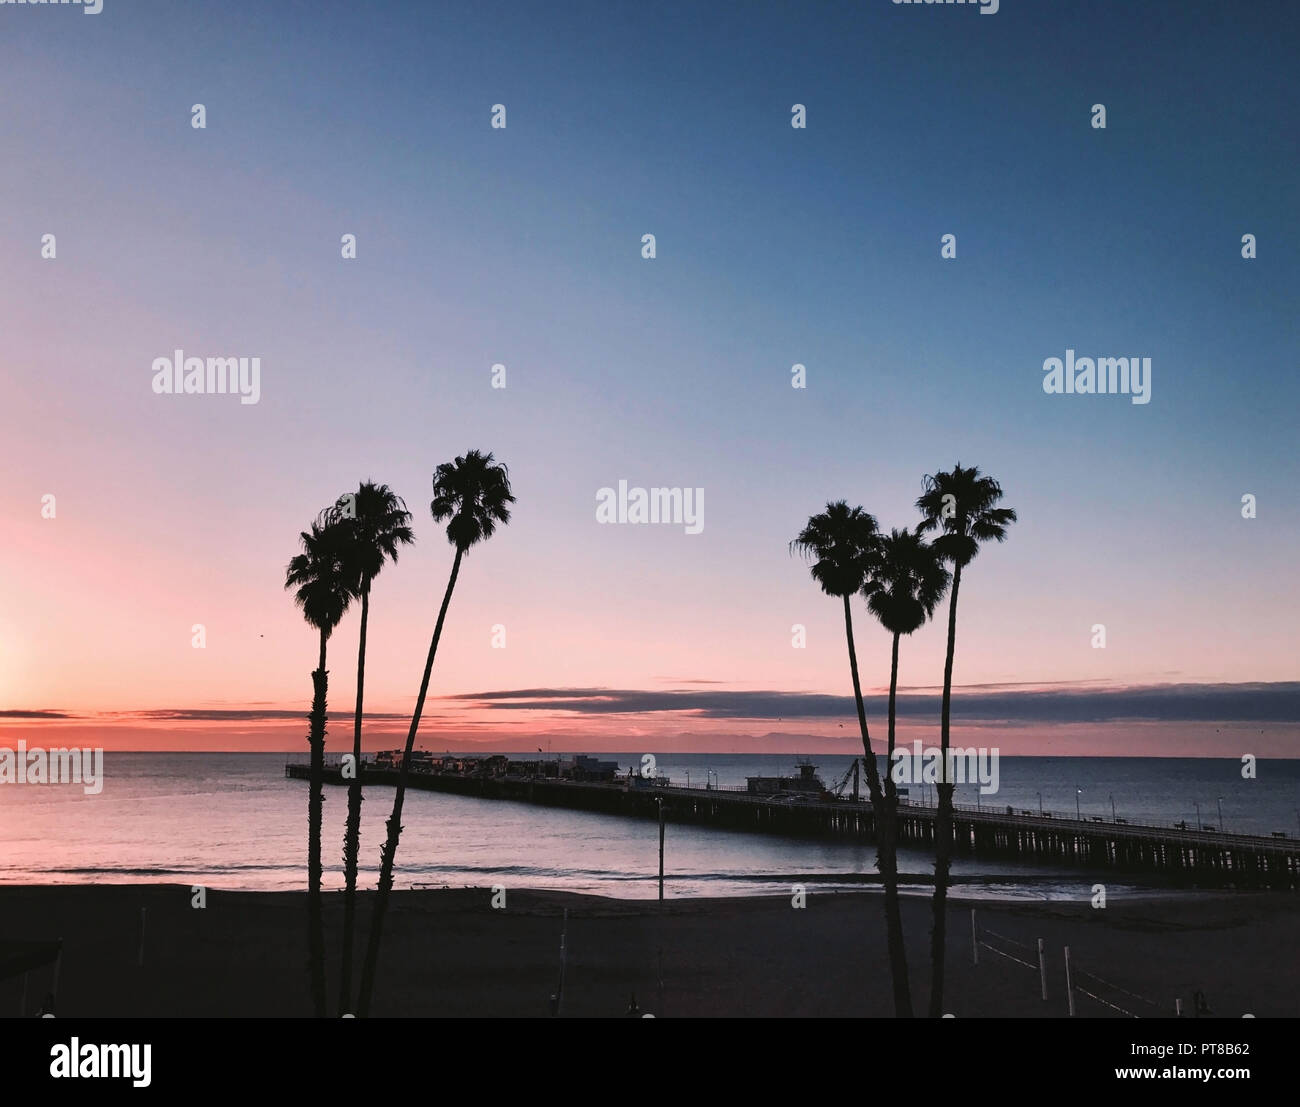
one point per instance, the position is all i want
(688, 778)
(1112, 808)
(1077, 793)
(1219, 801)
(1040, 803)
(1198, 814)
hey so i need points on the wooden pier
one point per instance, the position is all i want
(1183, 857)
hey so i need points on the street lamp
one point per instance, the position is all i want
(1077, 793)
(688, 778)
(1112, 808)
(1198, 814)
(1219, 801)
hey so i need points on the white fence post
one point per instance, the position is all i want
(1069, 981)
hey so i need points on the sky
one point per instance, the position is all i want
(775, 246)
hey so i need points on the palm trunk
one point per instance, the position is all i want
(943, 820)
(352, 836)
(889, 864)
(389, 852)
(884, 835)
(890, 787)
(315, 802)
(873, 771)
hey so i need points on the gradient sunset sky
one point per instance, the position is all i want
(775, 246)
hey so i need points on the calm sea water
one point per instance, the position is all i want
(235, 821)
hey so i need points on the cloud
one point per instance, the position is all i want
(240, 715)
(1064, 703)
(17, 713)
(203, 715)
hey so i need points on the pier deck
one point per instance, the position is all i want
(1188, 857)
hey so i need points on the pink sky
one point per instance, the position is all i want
(523, 248)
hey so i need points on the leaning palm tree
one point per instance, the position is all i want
(962, 506)
(844, 546)
(472, 495)
(910, 580)
(324, 590)
(376, 523)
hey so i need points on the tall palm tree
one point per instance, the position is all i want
(910, 580)
(324, 590)
(962, 506)
(844, 546)
(472, 495)
(376, 523)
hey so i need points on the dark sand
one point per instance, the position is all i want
(448, 953)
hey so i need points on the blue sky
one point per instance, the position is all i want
(775, 246)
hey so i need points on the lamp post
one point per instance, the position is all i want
(1040, 803)
(1077, 793)
(1198, 814)
(1219, 801)
(659, 801)
(1112, 808)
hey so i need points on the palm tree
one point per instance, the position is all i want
(962, 506)
(472, 495)
(844, 545)
(910, 580)
(324, 590)
(376, 523)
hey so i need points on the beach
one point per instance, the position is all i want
(449, 953)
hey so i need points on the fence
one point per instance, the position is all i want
(1078, 982)
(1077, 977)
(1038, 952)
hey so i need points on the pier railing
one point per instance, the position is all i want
(1190, 855)
(988, 814)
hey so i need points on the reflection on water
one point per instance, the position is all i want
(234, 821)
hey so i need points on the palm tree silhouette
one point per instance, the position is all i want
(472, 495)
(844, 546)
(909, 582)
(376, 523)
(962, 506)
(321, 575)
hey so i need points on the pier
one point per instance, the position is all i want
(1184, 857)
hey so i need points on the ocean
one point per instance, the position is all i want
(234, 821)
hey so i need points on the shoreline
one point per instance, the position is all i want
(450, 953)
